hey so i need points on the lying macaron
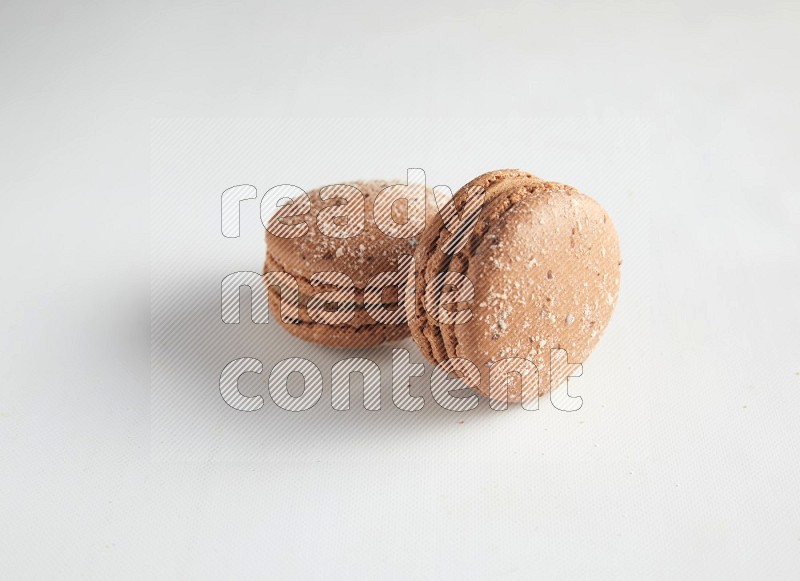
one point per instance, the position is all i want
(348, 259)
(543, 262)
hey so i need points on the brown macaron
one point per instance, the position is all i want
(544, 263)
(345, 232)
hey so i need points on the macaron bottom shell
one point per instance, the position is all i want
(360, 331)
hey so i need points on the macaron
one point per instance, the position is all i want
(349, 260)
(543, 263)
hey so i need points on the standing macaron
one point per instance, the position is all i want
(347, 246)
(540, 266)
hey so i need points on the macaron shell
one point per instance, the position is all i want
(544, 261)
(549, 272)
(494, 184)
(361, 256)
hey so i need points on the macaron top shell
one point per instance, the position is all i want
(363, 251)
(544, 262)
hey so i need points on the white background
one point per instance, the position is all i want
(686, 468)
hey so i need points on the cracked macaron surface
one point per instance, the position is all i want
(544, 263)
